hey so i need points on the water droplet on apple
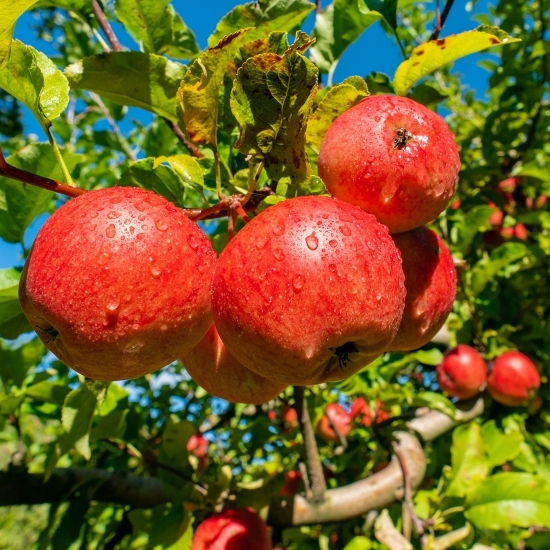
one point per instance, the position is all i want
(279, 228)
(261, 242)
(155, 271)
(200, 268)
(110, 231)
(312, 241)
(371, 245)
(333, 243)
(163, 327)
(94, 214)
(161, 225)
(127, 221)
(103, 258)
(332, 267)
(378, 297)
(113, 215)
(298, 282)
(112, 304)
(133, 347)
(145, 227)
(142, 217)
(345, 230)
(376, 119)
(141, 236)
(325, 216)
(192, 241)
(93, 227)
(132, 230)
(139, 206)
(279, 254)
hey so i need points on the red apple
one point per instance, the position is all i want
(232, 529)
(311, 290)
(541, 201)
(117, 284)
(272, 415)
(292, 483)
(463, 372)
(198, 445)
(514, 379)
(334, 415)
(211, 365)
(520, 231)
(392, 157)
(430, 280)
(495, 219)
(361, 408)
(507, 185)
(290, 417)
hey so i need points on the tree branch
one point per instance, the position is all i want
(106, 26)
(313, 462)
(193, 149)
(374, 492)
(440, 22)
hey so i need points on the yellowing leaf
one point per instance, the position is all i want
(337, 100)
(198, 94)
(9, 13)
(272, 100)
(432, 55)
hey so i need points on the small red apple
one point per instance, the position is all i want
(272, 415)
(292, 483)
(520, 231)
(495, 219)
(311, 290)
(507, 232)
(507, 185)
(232, 529)
(541, 201)
(334, 415)
(430, 280)
(361, 408)
(198, 446)
(290, 417)
(393, 158)
(514, 379)
(463, 372)
(117, 284)
(211, 365)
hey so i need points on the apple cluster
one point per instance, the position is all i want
(511, 378)
(120, 282)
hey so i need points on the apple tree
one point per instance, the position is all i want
(445, 445)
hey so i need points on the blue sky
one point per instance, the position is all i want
(374, 51)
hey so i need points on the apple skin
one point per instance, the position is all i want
(463, 372)
(430, 280)
(211, 365)
(117, 283)
(311, 290)
(404, 186)
(339, 417)
(513, 380)
(232, 529)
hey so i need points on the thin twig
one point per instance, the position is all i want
(440, 22)
(254, 176)
(314, 466)
(39, 181)
(305, 478)
(178, 132)
(106, 26)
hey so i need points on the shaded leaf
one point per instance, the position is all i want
(10, 308)
(198, 95)
(469, 224)
(501, 447)
(265, 15)
(136, 79)
(49, 392)
(9, 13)
(33, 79)
(15, 363)
(434, 54)
(386, 8)
(337, 27)
(271, 100)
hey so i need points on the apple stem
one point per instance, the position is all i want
(39, 181)
(313, 461)
(178, 132)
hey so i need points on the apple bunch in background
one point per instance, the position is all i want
(120, 282)
(511, 378)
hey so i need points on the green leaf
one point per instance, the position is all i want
(468, 225)
(508, 500)
(10, 309)
(9, 13)
(20, 204)
(265, 15)
(157, 27)
(501, 257)
(271, 99)
(469, 461)
(76, 418)
(33, 79)
(187, 168)
(10, 403)
(49, 392)
(434, 54)
(116, 398)
(435, 401)
(337, 100)
(82, 7)
(386, 8)
(198, 95)
(174, 442)
(312, 186)
(163, 180)
(72, 522)
(359, 543)
(501, 447)
(136, 79)
(15, 363)
(338, 26)
(113, 425)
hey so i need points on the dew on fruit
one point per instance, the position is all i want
(93, 227)
(155, 271)
(279, 229)
(132, 230)
(112, 304)
(312, 241)
(110, 231)
(142, 217)
(139, 206)
(133, 347)
(113, 215)
(163, 327)
(127, 221)
(279, 254)
(371, 245)
(103, 258)
(325, 216)
(161, 225)
(332, 267)
(345, 230)
(378, 297)
(141, 236)
(192, 241)
(261, 242)
(298, 282)
(200, 268)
